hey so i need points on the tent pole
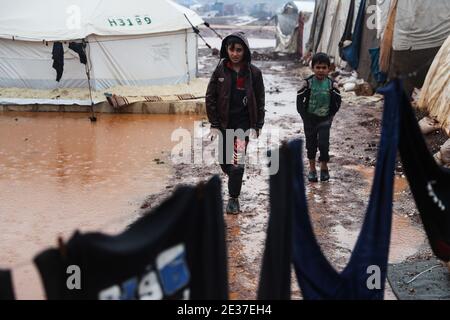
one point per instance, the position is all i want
(93, 118)
(187, 54)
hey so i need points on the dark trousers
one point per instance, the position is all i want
(232, 161)
(317, 134)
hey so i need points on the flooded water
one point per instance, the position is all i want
(405, 237)
(60, 172)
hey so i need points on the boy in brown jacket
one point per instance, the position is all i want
(235, 100)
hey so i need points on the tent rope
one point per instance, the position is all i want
(197, 31)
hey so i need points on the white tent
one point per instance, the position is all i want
(132, 42)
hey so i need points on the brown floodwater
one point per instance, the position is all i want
(60, 172)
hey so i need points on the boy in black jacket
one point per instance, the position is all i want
(318, 100)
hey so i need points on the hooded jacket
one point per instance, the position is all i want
(219, 90)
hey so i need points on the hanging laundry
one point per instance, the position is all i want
(58, 59)
(347, 35)
(6, 287)
(378, 75)
(429, 183)
(177, 251)
(80, 49)
(275, 278)
(316, 276)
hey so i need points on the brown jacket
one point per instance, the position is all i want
(219, 90)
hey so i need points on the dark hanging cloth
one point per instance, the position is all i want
(58, 59)
(275, 277)
(80, 49)
(378, 75)
(316, 277)
(6, 287)
(177, 251)
(351, 53)
(347, 35)
(429, 183)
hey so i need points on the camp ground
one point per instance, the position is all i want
(135, 197)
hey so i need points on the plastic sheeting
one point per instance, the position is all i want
(435, 94)
(421, 24)
(287, 26)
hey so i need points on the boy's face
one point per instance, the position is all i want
(236, 53)
(321, 70)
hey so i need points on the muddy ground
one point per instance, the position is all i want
(336, 208)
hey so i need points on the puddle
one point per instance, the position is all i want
(59, 172)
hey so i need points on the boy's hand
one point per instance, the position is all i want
(213, 133)
(254, 133)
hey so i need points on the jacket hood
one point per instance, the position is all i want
(240, 35)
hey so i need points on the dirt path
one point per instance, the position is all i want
(337, 208)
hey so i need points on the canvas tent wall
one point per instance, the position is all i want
(421, 27)
(317, 25)
(373, 28)
(330, 18)
(287, 32)
(435, 93)
(129, 43)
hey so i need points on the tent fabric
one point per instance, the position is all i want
(421, 24)
(347, 34)
(305, 6)
(115, 60)
(137, 44)
(368, 41)
(329, 20)
(288, 35)
(413, 66)
(56, 102)
(334, 26)
(337, 29)
(351, 53)
(382, 16)
(429, 183)
(317, 25)
(58, 20)
(435, 93)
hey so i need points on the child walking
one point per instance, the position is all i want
(318, 100)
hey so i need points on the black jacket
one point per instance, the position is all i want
(304, 94)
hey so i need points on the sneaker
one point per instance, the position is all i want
(233, 206)
(324, 175)
(312, 176)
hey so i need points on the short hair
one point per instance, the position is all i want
(321, 58)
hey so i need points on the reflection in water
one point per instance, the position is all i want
(59, 172)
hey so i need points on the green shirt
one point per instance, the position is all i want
(319, 100)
